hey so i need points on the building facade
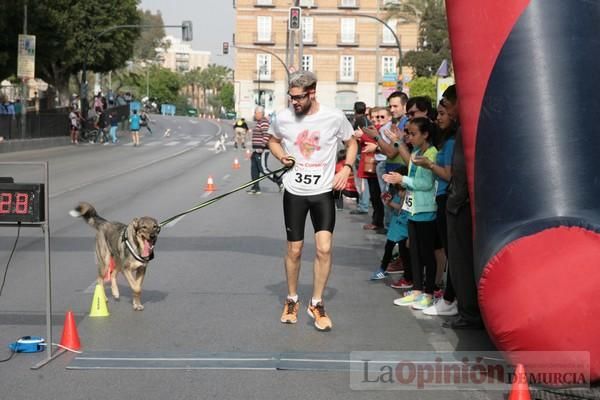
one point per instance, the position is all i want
(179, 56)
(354, 56)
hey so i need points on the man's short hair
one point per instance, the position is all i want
(360, 107)
(259, 109)
(401, 95)
(303, 79)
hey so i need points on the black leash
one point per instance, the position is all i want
(275, 173)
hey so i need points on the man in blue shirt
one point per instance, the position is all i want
(134, 127)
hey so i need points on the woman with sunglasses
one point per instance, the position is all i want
(420, 204)
(367, 169)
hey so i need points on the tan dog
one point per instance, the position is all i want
(131, 247)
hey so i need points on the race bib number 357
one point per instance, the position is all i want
(307, 179)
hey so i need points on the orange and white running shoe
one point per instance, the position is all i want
(290, 312)
(322, 320)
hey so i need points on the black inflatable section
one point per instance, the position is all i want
(538, 127)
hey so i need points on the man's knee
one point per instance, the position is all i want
(323, 246)
(294, 250)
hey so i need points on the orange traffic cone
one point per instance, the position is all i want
(236, 164)
(70, 338)
(210, 185)
(520, 388)
(248, 154)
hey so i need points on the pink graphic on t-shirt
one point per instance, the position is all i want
(308, 143)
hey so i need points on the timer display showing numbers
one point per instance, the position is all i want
(21, 202)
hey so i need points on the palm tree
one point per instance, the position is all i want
(212, 78)
(406, 10)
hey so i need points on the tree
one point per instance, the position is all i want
(210, 79)
(164, 84)
(423, 86)
(433, 44)
(227, 96)
(150, 38)
(66, 34)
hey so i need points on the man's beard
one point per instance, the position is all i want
(303, 110)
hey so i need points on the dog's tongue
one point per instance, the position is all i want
(147, 249)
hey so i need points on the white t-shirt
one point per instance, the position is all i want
(313, 141)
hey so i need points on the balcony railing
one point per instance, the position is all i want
(391, 43)
(264, 3)
(390, 3)
(263, 77)
(351, 79)
(347, 40)
(264, 39)
(310, 42)
(349, 4)
(308, 3)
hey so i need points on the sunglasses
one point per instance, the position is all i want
(411, 113)
(298, 97)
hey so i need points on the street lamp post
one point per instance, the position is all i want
(147, 82)
(285, 67)
(376, 19)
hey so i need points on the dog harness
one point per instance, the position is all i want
(131, 249)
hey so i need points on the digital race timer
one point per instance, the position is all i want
(21, 202)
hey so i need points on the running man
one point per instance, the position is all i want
(306, 136)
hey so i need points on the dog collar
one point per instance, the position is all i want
(132, 250)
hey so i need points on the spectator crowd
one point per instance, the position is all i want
(410, 176)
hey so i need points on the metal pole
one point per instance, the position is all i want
(300, 46)
(287, 47)
(147, 82)
(24, 94)
(48, 271)
(292, 47)
(285, 66)
(377, 70)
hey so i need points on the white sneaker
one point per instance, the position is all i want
(440, 307)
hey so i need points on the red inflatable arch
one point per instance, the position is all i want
(529, 96)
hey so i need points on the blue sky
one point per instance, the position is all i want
(213, 23)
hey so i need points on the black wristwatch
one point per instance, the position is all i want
(349, 166)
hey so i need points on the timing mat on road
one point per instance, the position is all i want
(225, 360)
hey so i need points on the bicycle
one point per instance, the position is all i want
(89, 132)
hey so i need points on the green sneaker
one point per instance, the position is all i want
(406, 301)
(422, 302)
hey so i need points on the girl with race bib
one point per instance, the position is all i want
(420, 204)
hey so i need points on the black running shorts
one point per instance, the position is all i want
(295, 208)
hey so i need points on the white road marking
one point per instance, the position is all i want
(173, 143)
(91, 288)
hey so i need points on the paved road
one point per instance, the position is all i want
(215, 286)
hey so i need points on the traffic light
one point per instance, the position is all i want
(225, 48)
(186, 31)
(294, 19)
